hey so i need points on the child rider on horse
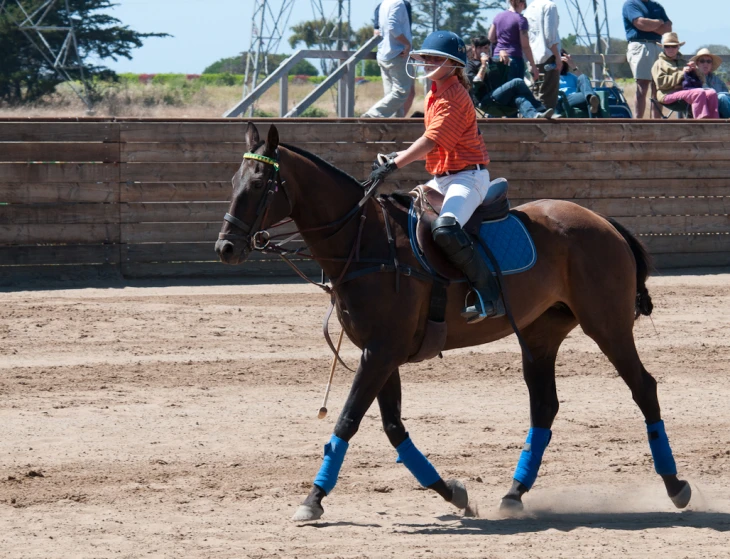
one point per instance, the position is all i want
(456, 156)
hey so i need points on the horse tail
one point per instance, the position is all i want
(644, 267)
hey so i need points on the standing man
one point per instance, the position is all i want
(542, 16)
(392, 56)
(645, 22)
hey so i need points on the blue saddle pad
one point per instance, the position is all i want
(510, 243)
(507, 238)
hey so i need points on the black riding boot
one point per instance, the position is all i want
(456, 244)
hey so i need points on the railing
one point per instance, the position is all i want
(345, 73)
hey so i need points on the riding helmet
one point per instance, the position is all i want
(443, 43)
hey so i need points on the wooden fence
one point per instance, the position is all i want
(146, 197)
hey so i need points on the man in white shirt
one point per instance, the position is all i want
(542, 16)
(392, 56)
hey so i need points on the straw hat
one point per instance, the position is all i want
(716, 60)
(671, 40)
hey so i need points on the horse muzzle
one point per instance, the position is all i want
(231, 252)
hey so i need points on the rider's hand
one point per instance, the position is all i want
(382, 159)
(383, 171)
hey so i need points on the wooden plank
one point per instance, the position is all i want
(612, 188)
(178, 212)
(290, 131)
(59, 213)
(58, 192)
(59, 151)
(34, 255)
(254, 269)
(58, 172)
(687, 243)
(19, 277)
(183, 252)
(20, 234)
(669, 261)
(169, 172)
(207, 191)
(632, 207)
(680, 224)
(184, 232)
(611, 151)
(40, 131)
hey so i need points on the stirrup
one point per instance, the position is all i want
(481, 309)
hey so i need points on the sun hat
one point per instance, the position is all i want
(716, 60)
(671, 40)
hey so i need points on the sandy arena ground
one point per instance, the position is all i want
(143, 420)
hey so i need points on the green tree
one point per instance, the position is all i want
(324, 34)
(25, 75)
(237, 65)
(466, 18)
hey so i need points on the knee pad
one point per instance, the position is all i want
(451, 238)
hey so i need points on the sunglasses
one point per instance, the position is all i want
(705, 61)
(667, 47)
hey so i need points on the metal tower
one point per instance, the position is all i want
(268, 23)
(590, 23)
(64, 57)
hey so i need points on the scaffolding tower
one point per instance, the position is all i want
(269, 23)
(62, 56)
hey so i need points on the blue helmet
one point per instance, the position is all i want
(443, 43)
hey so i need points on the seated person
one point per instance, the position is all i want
(492, 92)
(707, 64)
(577, 87)
(669, 73)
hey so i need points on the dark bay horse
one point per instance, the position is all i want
(590, 272)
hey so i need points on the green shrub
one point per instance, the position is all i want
(314, 112)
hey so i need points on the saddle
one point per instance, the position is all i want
(427, 203)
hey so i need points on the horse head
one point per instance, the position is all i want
(258, 200)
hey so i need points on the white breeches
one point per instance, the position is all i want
(463, 193)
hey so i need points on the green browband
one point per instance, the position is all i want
(262, 158)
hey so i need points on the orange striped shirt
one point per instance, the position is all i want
(451, 122)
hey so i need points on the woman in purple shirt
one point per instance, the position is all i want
(508, 34)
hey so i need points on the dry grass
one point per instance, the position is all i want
(161, 101)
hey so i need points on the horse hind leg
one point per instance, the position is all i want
(389, 400)
(612, 331)
(543, 337)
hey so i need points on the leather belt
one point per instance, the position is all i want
(477, 167)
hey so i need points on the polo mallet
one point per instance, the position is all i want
(323, 410)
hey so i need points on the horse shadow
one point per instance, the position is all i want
(566, 522)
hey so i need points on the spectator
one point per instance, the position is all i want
(393, 53)
(492, 94)
(508, 34)
(670, 72)
(376, 31)
(645, 21)
(542, 17)
(577, 87)
(707, 64)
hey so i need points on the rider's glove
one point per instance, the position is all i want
(383, 158)
(383, 171)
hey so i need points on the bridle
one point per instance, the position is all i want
(252, 235)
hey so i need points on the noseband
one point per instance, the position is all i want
(259, 239)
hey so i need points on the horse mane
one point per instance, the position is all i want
(322, 163)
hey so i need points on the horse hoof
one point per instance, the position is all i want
(306, 513)
(511, 506)
(459, 496)
(471, 511)
(682, 498)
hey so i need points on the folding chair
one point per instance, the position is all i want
(682, 108)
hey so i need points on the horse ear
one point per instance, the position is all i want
(252, 135)
(272, 140)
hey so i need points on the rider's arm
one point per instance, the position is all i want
(416, 152)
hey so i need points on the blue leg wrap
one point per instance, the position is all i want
(334, 455)
(417, 463)
(661, 452)
(531, 457)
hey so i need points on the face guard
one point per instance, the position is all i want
(416, 61)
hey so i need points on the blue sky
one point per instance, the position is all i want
(207, 30)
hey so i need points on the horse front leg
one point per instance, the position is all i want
(389, 400)
(375, 367)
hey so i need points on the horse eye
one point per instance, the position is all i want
(257, 183)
